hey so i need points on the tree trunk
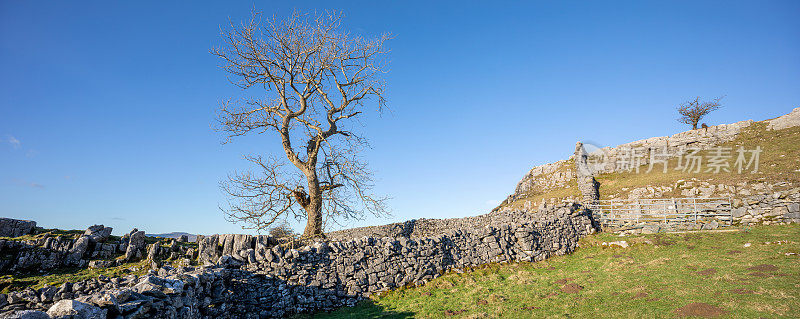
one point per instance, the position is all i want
(314, 207)
(694, 125)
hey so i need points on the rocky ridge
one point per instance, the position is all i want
(94, 248)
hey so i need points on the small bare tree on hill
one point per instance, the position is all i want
(693, 111)
(312, 80)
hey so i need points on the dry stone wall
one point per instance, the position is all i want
(253, 278)
(587, 185)
(764, 209)
(753, 202)
(776, 208)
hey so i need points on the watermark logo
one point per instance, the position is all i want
(642, 159)
(596, 159)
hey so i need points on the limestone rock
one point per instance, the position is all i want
(620, 243)
(77, 250)
(105, 300)
(72, 309)
(25, 314)
(156, 286)
(136, 244)
(152, 252)
(98, 233)
(16, 227)
(209, 249)
(650, 229)
(789, 120)
(739, 212)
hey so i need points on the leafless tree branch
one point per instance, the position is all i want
(311, 79)
(693, 111)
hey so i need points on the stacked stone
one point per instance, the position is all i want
(588, 186)
(171, 294)
(779, 207)
(256, 278)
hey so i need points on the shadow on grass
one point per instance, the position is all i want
(364, 309)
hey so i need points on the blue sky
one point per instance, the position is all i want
(106, 106)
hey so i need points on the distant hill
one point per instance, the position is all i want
(176, 235)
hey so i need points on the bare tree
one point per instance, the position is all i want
(312, 80)
(693, 110)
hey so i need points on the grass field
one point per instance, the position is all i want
(778, 162)
(660, 276)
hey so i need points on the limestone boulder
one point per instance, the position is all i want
(98, 233)
(16, 227)
(136, 246)
(73, 309)
(78, 249)
(158, 287)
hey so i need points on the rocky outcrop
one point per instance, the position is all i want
(98, 233)
(544, 178)
(93, 248)
(256, 278)
(789, 120)
(78, 249)
(44, 254)
(15, 227)
(562, 174)
(136, 245)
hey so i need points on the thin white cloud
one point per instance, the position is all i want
(15, 143)
(28, 184)
(35, 185)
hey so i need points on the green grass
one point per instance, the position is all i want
(779, 162)
(651, 279)
(41, 232)
(56, 278)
